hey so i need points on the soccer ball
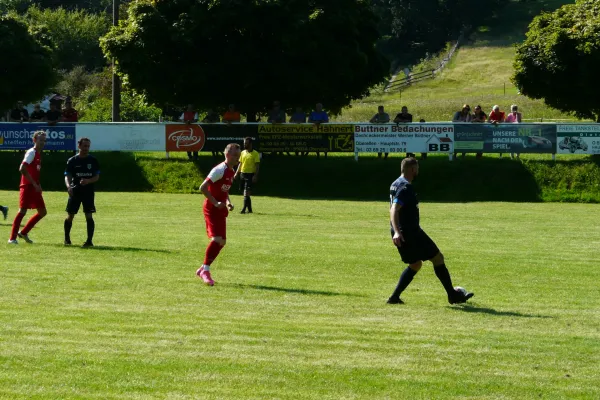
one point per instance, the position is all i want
(461, 290)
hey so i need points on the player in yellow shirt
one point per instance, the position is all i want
(248, 170)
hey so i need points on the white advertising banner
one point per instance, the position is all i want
(404, 138)
(578, 139)
(124, 136)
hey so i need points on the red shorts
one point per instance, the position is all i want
(30, 199)
(216, 223)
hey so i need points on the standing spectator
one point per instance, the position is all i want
(190, 116)
(19, 114)
(38, 115)
(380, 118)
(463, 115)
(496, 115)
(69, 114)
(53, 115)
(515, 117)
(231, 115)
(211, 117)
(276, 115)
(299, 117)
(404, 117)
(318, 117)
(478, 117)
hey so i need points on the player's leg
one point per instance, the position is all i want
(68, 224)
(16, 225)
(41, 213)
(405, 279)
(215, 228)
(248, 192)
(441, 271)
(244, 187)
(72, 209)
(89, 208)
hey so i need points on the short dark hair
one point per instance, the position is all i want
(248, 138)
(83, 139)
(407, 163)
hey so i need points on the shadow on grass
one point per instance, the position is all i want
(491, 311)
(297, 291)
(112, 248)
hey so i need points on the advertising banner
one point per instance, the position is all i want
(207, 137)
(578, 139)
(505, 138)
(124, 136)
(327, 138)
(404, 138)
(18, 136)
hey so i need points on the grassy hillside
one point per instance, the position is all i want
(533, 178)
(478, 74)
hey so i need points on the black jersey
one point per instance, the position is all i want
(402, 192)
(78, 168)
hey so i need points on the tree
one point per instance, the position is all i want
(74, 35)
(560, 59)
(88, 5)
(26, 70)
(251, 52)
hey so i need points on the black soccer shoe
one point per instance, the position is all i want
(396, 300)
(67, 242)
(459, 297)
(88, 244)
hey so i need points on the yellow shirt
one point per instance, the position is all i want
(248, 161)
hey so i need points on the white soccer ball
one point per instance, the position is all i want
(461, 290)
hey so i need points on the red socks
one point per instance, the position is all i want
(212, 251)
(30, 224)
(16, 225)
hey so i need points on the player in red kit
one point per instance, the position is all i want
(217, 206)
(30, 196)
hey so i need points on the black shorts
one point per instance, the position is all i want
(246, 181)
(75, 201)
(417, 247)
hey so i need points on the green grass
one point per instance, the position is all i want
(298, 309)
(479, 73)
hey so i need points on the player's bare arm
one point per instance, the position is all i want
(68, 180)
(394, 218)
(93, 179)
(210, 197)
(25, 173)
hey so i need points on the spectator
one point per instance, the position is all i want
(69, 114)
(515, 117)
(318, 116)
(38, 115)
(53, 115)
(380, 118)
(276, 115)
(463, 115)
(231, 115)
(190, 116)
(479, 116)
(211, 117)
(299, 117)
(404, 117)
(423, 155)
(19, 114)
(496, 115)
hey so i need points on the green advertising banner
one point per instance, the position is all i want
(329, 138)
(505, 138)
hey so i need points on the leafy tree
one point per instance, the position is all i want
(560, 59)
(212, 53)
(26, 68)
(74, 35)
(21, 6)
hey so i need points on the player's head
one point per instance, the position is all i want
(410, 167)
(248, 143)
(83, 145)
(39, 138)
(232, 154)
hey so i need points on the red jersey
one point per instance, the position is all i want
(33, 163)
(220, 180)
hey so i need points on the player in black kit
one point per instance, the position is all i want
(82, 172)
(412, 242)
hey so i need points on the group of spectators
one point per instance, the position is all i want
(495, 116)
(54, 115)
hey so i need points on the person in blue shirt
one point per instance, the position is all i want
(318, 116)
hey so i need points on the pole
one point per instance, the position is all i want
(116, 82)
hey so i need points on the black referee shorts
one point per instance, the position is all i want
(75, 201)
(246, 181)
(417, 246)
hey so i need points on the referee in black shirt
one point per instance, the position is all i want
(412, 242)
(83, 170)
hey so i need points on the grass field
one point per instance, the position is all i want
(479, 73)
(298, 311)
